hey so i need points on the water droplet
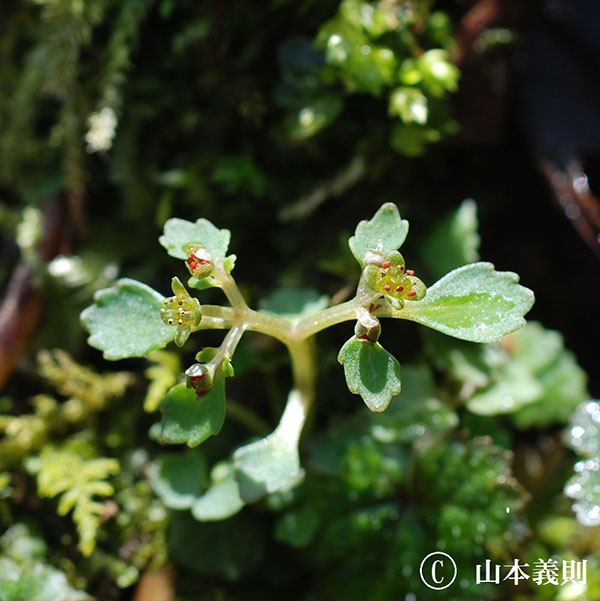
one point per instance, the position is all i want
(580, 183)
(508, 402)
(307, 116)
(588, 516)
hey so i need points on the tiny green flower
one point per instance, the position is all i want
(396, 283)
(181, 310)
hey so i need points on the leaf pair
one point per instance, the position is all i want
(182, 482)
(265, 466)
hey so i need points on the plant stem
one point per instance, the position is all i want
(230, 342)
(231, 290)
(239, 318)
(214, 323)
(324, 319)
(247, 418)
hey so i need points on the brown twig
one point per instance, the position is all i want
(571, 191)
(21, 308)
(155, 586)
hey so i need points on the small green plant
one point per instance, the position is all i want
(473, 303)
(73, 474)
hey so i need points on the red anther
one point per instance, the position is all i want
(387, 288)
(364, 337)
(410, 272)
(194, 262)
(401, 267)
(386, 264)
(411, 293)
(195, 380)
(399, 288)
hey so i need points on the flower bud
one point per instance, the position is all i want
(200, 377)
(367, 326)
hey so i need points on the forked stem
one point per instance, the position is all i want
(240, 317)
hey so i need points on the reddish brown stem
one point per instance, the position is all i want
(21, 308)
(572, 193)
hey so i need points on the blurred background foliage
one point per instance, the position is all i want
(287, 123)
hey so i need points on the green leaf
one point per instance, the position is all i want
(22, 544)
(584, 434)
(564, 386)
(439, 74)
(191, 419)
(239, 173)
(179, 478)
(453, 242)
(229, 263)
(309, 119)
(178, 233)
(515, 388)
(222, 499)
(530, 376)
(409, 104)
(467, 363)
(37, 582)
(76, 479)
(385, 232)
(297, 528)
(293, 303)
(584, 438)
(411, 140)
(371, 372)
(272, 463)
(230, 549)
(163, 372)
(584, 488)
(416, 412)
(536, 347)
(472, 303)
(124, 321)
